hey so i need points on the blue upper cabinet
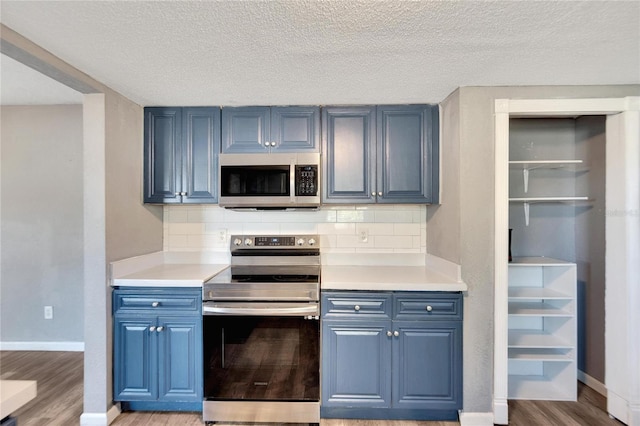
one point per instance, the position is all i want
(383, 154)
(270, 129)
(348, 146)
(407, 154)
(162, 155)
(245, 129)
(295, 128)
(181, 147)
(201, 150)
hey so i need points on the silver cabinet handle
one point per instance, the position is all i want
(155, 304)
(160, 328)
(152, 328)
(389, 333)
(273, 144)
(396, 333)
(429, 308)
(380, 194)
(357, 307)
(373, 193)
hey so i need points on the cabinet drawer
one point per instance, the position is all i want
(157, 300)
(356, 305)
(431, 306)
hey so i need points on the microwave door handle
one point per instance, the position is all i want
(292, 182)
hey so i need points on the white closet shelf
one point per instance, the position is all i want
(527, 201)
(536, 339)
(538, 388)
(544, 164)
(537, 293)
(539, 309)
(541, 354)
(547, 199)
(538, 261)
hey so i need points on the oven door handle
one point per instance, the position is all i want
(229, 309)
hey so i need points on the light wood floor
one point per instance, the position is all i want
(59, 401)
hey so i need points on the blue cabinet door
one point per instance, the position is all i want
(200, 152)
(180, 358)
(348, 160)
(135, 363)
(248, 130)
(427, 365)
(355, 364)
(407, 154)
(162, 155)
(245, 129)
(295, 129)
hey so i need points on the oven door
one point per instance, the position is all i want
(268, 356)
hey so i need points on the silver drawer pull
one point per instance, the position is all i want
(160, 328)
(152, 328)
(155, 304)
(357, 307)
(389, 333)
(396, 333)
(429, 308)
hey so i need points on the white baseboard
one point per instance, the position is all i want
(42, 346)
(100, 419)
(500, 411)
(594, 384)
(475, 419)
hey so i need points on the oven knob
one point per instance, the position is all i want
(312, 241)
(248, 242)
(237, 242)
(300, 241)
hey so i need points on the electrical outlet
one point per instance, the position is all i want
(364, 235)
(222, 235)
(48, 312)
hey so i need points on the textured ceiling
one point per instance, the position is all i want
(332, 52)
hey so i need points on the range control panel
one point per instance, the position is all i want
(275, 241)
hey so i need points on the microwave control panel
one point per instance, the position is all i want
(307, 180)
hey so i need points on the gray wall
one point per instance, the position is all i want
(132, 228)
(551, 230)
(121, 226)
(41, 223)
(476, 215)
(444, 223)
(590, 245)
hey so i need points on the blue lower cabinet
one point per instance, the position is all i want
(348, 377)
(426, 372)
(392, 369)
(158, 349)
(180, 359)
(135, 359)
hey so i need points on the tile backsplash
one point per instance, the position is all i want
(342, 229)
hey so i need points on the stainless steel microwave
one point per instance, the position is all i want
(266, 181)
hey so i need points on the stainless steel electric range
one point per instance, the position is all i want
(261, 332)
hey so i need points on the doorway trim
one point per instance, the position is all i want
(625, 247)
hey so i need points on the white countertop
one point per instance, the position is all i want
(380, 278)
(170, 275)
(164, 269)
(14, 394)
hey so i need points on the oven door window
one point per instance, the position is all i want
(261, 358)
(255, 181)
